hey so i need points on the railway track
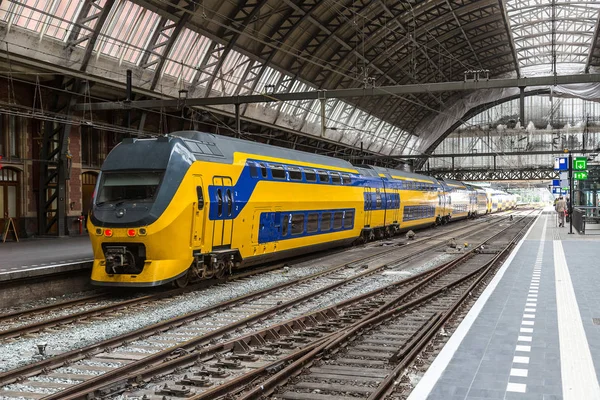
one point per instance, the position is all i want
(183, 335)
(367, 360)
(102, 305)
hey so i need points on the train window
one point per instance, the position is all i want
(335, 178)
(286, 224)
(348, 219)
(278, 172)
(310, 175)
(253, 170)
(229, 202)
(378, 201)
(295, 174)
(323, 176)
(297, 224)
(337, 219)
(219, 203)
(312, 224)
(346, 179)
(325, 222)
(263, 170)
(200, 196)
(204, 148)
(137, 185)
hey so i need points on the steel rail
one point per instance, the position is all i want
(296, 367)
(148, 367)
(191, 345)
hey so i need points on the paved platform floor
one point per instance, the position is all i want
(535, 331)
(43, 253)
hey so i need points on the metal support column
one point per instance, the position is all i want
(128, 100)
(522, 106)
(55, 164)
(238, 124)
(323, 102)
(570, 203)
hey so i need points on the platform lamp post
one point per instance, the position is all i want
(570, 207)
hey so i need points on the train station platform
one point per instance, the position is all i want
(534, 333)
(43, 256)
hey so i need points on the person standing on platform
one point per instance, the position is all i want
(561, 206)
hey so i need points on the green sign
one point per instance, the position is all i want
(580, 164)
(580, 175)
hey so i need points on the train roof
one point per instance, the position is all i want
(217, 148)
(404, 175)
(452, 182)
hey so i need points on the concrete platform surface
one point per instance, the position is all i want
(534, 334)
(32, 257)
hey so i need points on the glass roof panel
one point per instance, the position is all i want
(126, 32)
(52, 18)
(231, 72)
(533, 23)
(186, 54)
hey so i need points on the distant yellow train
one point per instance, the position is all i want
(193, 205)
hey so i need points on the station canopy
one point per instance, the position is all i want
(224, 48)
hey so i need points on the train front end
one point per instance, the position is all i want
(138, 223)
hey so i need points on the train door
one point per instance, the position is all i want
(199, 208)
(368, 196)
(442, 203)
(223, 222)
(385, 204)
(395, 205)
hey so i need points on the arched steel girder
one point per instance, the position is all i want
(493, 57)
(181, 9)
(549, 45)
(91, 11)
(520, 25)
(548, 55)
(243, 15)
(470, 114)
(372, 38)
(320, 40)
(558, 32)
(593, 45)
(508, 30)
(441, 39)
(443, 20)
(279, 34)
(329, 35)
(316, 43)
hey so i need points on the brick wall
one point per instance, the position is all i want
(74, 184)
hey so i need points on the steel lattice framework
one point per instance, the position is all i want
(470, 175)
(252, 46)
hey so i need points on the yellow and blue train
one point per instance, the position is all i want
(193, 205)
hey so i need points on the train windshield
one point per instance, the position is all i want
(127, 186)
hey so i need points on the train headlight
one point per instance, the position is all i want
(131, 232)
(142, 231)
(98, 231)
(108, 232)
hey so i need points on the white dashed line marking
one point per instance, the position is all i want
(516, 387)
(524, 339)
(523, 348)
(518, 372)
(526, 330)
(520, 360)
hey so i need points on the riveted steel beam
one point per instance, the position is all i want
(359, 92)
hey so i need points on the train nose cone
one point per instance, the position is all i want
(120, 212)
